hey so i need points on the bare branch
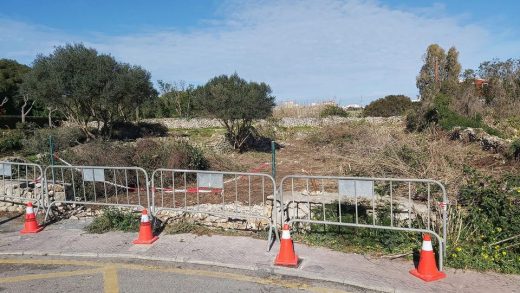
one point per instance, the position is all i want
(4, 101)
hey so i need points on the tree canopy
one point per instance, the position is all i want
(87, 86)
(11, 77)
(392, 105)
(236, 103)
(439, 73)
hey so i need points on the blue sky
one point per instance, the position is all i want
(349, 50)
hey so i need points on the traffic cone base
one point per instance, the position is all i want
(149, 241)
(286, 257)
(26, 230)
(428, 278)
(293, 262)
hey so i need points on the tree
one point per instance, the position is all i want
(236, 103)
(502, 86)
(176, 99)
(432, 72)
(11, 77)
(452, 72)
(86, 86)
(392, 105)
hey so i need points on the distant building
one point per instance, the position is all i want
(289, 104)
(353, 107)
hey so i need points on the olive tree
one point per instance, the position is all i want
(86, 86)
(236, 103)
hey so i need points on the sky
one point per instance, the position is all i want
(350, 51)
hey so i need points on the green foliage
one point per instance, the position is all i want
(515, 149)
(114, 219)
(441, 114)
(152, 155)
(132, 131)
(11, 76)
(439, 73)
(63, 137)
(188, 227)
(491, 216)
(176, 100)
(393, 105)
(11, 140)
(358, 239)
(11, 121)
(236, 103)
(333, 110)
(86, 86)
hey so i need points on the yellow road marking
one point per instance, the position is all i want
(110, 279)
(111, 283)
(52, 262)
(48, 276)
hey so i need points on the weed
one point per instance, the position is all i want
(113, 219)
(188, 227)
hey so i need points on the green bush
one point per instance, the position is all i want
(515, 149)
(442, 115)
(63, 137)
(10, 121)
(11, 140)
(132, 131)
(114, 220)
(152, 155)
(100, 153)
(490, 213)
(333, 110)
(392, 105)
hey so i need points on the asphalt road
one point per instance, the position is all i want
(45, 274)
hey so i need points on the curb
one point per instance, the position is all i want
(263, 268)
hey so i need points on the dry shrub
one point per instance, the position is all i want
(100, 153)
(145, 153)
(387, 150)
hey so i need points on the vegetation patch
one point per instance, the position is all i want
(333, 110)
(392, 105)
(113, 219)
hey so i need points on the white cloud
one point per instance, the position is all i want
(303, 49)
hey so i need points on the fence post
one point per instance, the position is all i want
(51, 150)
(273, 159)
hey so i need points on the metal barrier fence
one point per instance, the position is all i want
(232, 195)
(21, 182)
(412, 205)
(97, 185)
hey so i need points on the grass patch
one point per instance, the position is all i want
(362, 240)
(198, 229)
(188, 227)
(114, 220)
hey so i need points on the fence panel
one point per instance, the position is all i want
(21, 182)
(232, 195)
(413, 205)
(97, 185)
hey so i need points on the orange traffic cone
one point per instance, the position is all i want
(145, 230)
(31, 225)
(286, 256)
(427, 269)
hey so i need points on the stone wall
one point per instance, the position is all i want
(181, 123)
(284, 122)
